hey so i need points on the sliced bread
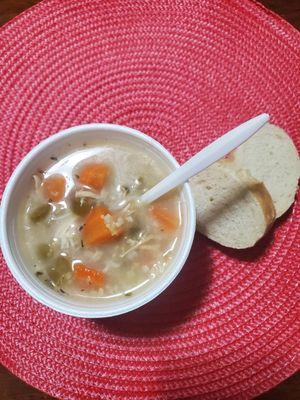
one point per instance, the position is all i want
(233, 209)
(272, 158)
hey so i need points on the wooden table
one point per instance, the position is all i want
(12, 388)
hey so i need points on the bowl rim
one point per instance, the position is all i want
(54, 302)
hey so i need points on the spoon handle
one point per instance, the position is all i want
(207, 156)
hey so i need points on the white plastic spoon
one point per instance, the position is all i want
(207, 156)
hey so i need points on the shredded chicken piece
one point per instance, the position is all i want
(88, 193)
(139, 243)
(67, 234)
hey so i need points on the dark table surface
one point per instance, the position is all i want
(12, 388)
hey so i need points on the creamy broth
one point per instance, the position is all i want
(78, 240)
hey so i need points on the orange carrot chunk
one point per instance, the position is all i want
(94, 175)
(86, 275)
(95, 230)
(167, 220)
(54, 188)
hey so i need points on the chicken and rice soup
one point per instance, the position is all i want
(82, 230)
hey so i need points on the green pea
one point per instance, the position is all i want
(54, 275)
(44, 251)
(81, 206)
(61, 266)
(39, 212)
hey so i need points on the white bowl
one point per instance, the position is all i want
(16, 187)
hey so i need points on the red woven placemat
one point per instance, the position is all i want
(183, 72)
